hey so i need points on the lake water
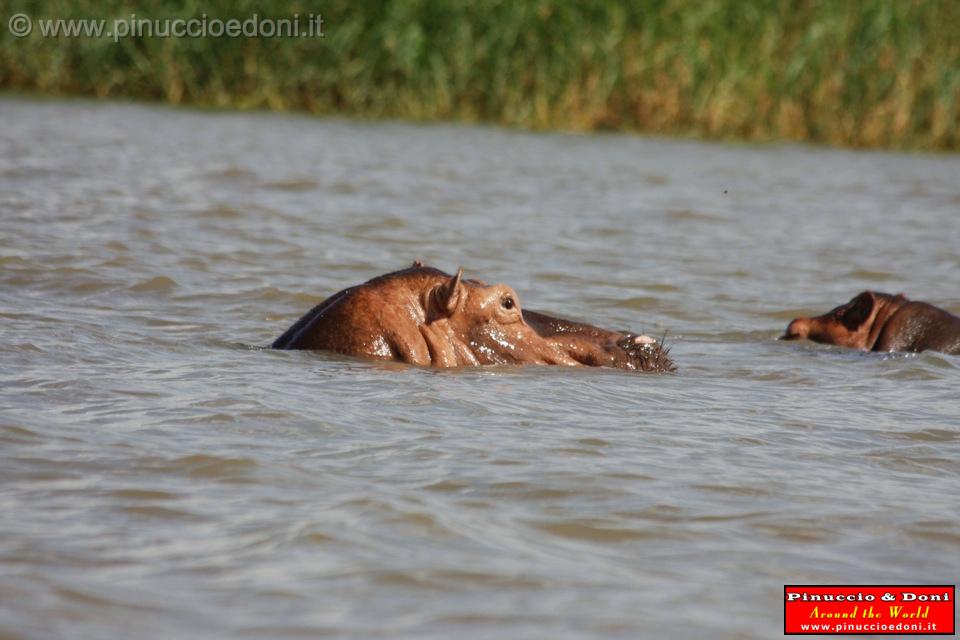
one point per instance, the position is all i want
(165, 478)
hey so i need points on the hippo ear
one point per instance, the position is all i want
(858, 312)
(449, 293)
(417, 263)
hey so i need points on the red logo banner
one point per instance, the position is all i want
(869, 609)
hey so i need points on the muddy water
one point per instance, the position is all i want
(162, 478)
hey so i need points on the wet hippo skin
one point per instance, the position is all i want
(424, 316)
(874, 321)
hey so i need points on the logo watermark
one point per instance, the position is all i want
(812, 609)
(310, 25)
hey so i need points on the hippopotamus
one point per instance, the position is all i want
(874, 321)
(423, 316)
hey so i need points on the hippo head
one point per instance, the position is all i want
(852, 325)
(485, 323)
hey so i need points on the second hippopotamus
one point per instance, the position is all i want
(874, 321)
(424, 316)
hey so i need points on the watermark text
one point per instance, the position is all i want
(310, 25)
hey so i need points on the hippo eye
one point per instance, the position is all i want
(508, 303)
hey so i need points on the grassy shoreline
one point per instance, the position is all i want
(882, 74)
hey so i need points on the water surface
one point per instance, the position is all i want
(163, 477)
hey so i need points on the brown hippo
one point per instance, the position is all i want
(875, 321)
(424, 316)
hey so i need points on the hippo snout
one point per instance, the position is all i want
(796, 330)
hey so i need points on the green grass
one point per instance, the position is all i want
(883, 73)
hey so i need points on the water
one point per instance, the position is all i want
(163, 478)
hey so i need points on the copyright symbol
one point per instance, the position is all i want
(20, 25)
